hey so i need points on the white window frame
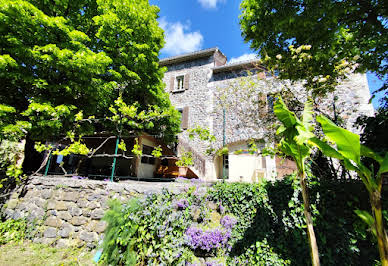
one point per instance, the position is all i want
(180, 83)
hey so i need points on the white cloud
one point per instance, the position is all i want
(210, 4)
(244, 57)
(179, 39)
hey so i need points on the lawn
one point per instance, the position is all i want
(28, 253)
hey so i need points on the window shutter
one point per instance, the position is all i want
(186, 81)
(263, 105)
(185, 118)
(172, 83)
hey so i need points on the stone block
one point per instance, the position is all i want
(93, 205)
(94, 196)
(64, 215)
(53, 221)
(39, 202)
(47, 193)
(82, 203)
(86, 212)
(100, 227)
(97, 214)
(88, 236)
(66, 230)
(63, 243)
(51, 204)
(78, 220)
(60, 206)
(75, 211)
(70, 196)
(50, 233)
(35, 214)
(12, 204)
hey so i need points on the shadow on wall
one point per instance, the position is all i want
(341, 235)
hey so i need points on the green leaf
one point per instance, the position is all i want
(348, 143)
(307, 116)
(365, 151)
(384, 165)
(368, 219)
(285, 116)
(326, 149)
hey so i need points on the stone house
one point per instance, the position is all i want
(194, 82)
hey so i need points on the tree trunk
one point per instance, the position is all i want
(382, 239)
(309, 221)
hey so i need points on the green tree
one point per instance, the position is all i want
(336, 32)
(64, 64)
(82, 53)
(296, 134)
(349, 150)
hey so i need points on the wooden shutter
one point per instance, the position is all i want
(172, 83)
(186, 81)
(185, 118)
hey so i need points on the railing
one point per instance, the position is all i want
(198, 160)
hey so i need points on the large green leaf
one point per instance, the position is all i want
(285, 116)
(365, 151)
(326, 148)
(348, 143)
(307, 116)
(384, 165)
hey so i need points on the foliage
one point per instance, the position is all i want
(265, 221)
(335, 33)
(349, 150)
(147, 230)
(185, 159)
(63, 65)
(295, 135)
(270, 228)
(28, 253)
(374, 130)
(13, 231)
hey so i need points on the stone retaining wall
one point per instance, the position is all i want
(68, 212)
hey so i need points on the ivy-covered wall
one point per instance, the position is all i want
(242, 224)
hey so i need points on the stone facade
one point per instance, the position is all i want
(68, 212)
(206, 72)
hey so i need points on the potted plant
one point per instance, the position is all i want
(185, 160)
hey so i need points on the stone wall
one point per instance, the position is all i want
(209, 91)
(68, 212)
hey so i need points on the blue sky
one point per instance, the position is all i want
(191, 25)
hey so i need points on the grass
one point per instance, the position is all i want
(28, 253)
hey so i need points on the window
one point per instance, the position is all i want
(179, 83)
(184, 117)
(148, 159)
(270, 102)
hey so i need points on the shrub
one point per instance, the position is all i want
(13, 231)
(254, 224)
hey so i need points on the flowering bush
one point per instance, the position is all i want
(228, 221)
(207, 240)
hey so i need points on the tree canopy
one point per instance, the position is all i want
(334, 32)
(81, 55)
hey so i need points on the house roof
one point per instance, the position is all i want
(239, 65)
(189, 56)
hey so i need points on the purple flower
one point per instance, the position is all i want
(228, 222)
(182, 204)
(207, 240)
